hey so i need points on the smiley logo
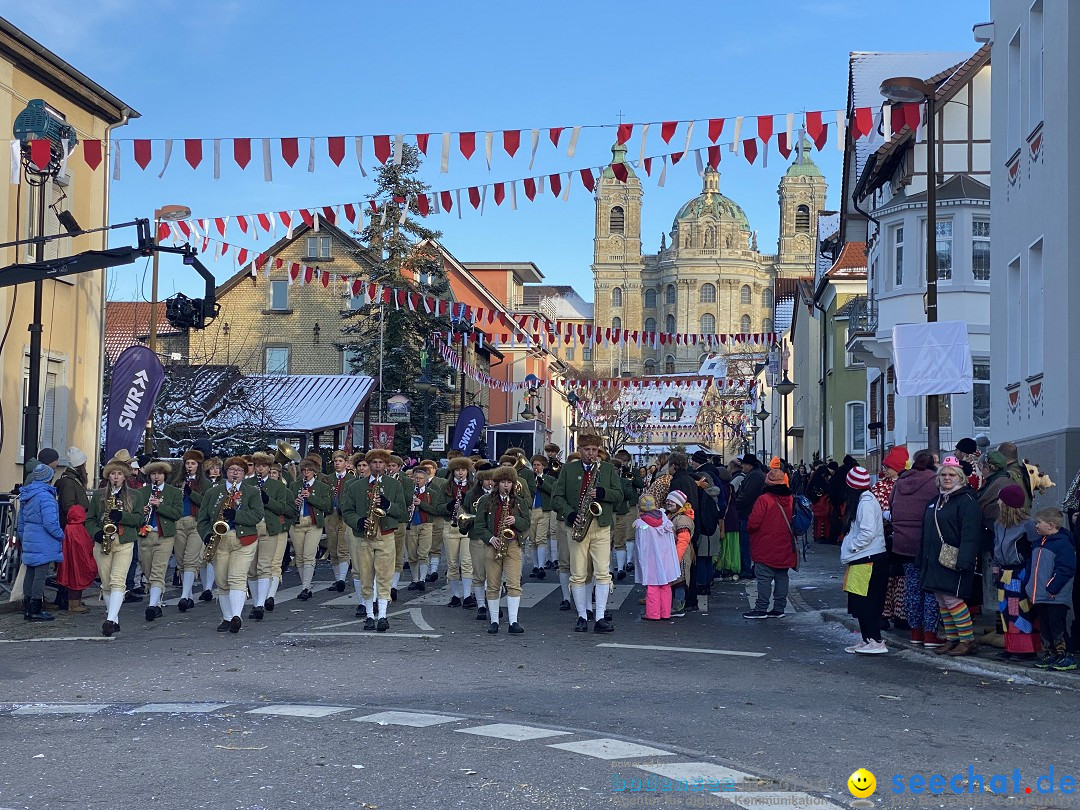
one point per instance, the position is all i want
(862, 783)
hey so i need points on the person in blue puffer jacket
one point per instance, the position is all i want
(41, 538)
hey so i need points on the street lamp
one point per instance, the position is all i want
(912, 90)
(784, 389)
(761, 416)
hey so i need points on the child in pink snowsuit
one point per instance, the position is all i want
(657, 563)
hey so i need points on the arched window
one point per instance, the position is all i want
(670, 293)
(708, 294)
(708, 324)
(616, 297)
(766, 298)
(616, 220)
(669, 364)
(744, 324)
(650, 324)
(616, 323)
(746, 294)
(650, 367)
(802, 219)
(669, 324)
(766, 325)
(650, 299)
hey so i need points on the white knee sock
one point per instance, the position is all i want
(306, 573)
(602, 592)
(237, 598)
(115, 600)
(630, 551)
(188, 578)
(564, 583)
(493, 610)
(420, 572)
(455, 588)
(208, 577)
(369, 605)
(512, 605)
(375, 585)
(541, 556)
(155, 596)
(394, 582)
(478, 591)
(356, 590)
(581, 599)
(274, 582)
(433, 564)
(466, 587)
(253, 588)
(620, 558)
(342, 571)
(225, 603)
(382, 607)
(262, 590)
(553, 550)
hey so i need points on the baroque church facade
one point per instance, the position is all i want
(708, 277)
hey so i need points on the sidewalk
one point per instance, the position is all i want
(817, 583)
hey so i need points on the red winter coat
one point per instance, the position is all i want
(771, 542)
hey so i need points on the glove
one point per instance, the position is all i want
(384, 502)
(265, 497)
(550, 473)
(600, 492)
(206, 540)
(571, 519)
(115, 516)
(359, 527)
(187, 490)
(99, 537)
(228, 514)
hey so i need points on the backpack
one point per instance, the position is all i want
(707, 516)
(803, 517)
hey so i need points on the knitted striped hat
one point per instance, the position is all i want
(858, 478)
(677, 497)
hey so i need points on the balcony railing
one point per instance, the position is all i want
(863, 316)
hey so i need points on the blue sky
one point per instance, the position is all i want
(224, 68)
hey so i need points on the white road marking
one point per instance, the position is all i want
(510, 731)
(702, 650)
(287, 595)
(618, 594)
(413, 719)
(363, 634)
(61, 708)
(776, 800)
(55, 638)
(606, 748)
(179, 708)
(417, 617)
(704, 771)
(300, 711)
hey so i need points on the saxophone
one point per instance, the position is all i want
(588, 508)
(507, 533)
(109, 530)
(375, 512)
(455, 513)
(221, 526)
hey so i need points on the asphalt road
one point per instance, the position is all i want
(790, 706)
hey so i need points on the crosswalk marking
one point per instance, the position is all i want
(53, 638)
(607, 748)
(703, 650)
(300, 711)
(61, 708)
(412, 719)
(776, 800)
(178, 708)
(511, 731)
(361, 634)
(707, 772)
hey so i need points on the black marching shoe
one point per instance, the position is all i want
(621, 575)
(469, 602)
(420, 586)
(493, 628)
(184, 605)
(629, 566)
(564, 604)
(481, 614)
(590, 615)
(153, 612)
(455, 602)
(516, 629)
(361, 611)
(405, 566)
(108, 628)
(383, 625)
(206, 596)
(369, 624)
(225, 626)
(304, 595)
(607, 615)
(604, 626)
(235, 624)
(535, 573)
(582, 625)
(257, 613)
(131, 597)
(541, 573)
(393, 594)
(433, 577)
(413, 586)
(269, 604)
(338, 586)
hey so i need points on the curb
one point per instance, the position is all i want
(1039, 677)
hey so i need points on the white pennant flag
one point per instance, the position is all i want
(404, 212)
(663, 173)
(840, 131)
(886, 122)
(289, 227)
(399, 142)
(358, 144)
(115, 160)
(311, 155)
(16, 163)
(644, 135)
(700, 165)
(458, 195)
(217, 158)
(790, 129)
(513, 195)
(735, 134)
(566, 189)
(444, 165)
(572, 148)
(268, 172)
(689, 135)
(66, 156)
(535, 143)
(483, 198)
(488, 139)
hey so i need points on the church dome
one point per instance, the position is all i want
(711, 201)
(804, 165)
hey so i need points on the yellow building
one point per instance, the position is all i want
(70, 392)
(708, 276)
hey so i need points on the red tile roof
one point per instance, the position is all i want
(128, 321)
(851, 263)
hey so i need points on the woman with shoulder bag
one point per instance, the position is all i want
(862, 550)
(952, 532)
(772, 546)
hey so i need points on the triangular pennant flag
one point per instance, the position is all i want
(555, 181)
(92, 153)
(587, 179)
(714, 156)
(382, 148)
(530, 188)
(242, 151)
(41, 152)
(648, 165)
(241, 256)
(290, 150)
(422, 141)
(474, 196)
(862, 123)
(554, 133)
(329, 214)
(500, 193)
(750, 149)
(467, 144)
(193, 152)
(782, 144)
(335, 147)
(243, 223)
(624, 132)
(620, 171)
(667, 130)
(447, 200)
(814, 128)
(716, 128)
(142, 152)
(511, 141)
(765, 130)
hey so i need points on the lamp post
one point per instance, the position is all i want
(167, 213)
(761, 416)
(912, 90)
(784, 389)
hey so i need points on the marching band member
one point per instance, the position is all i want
(311, 500)
(113, 504)
(407, 488)
(161, 506)
(540, 516)
(504, 518)
(279, 512)
(188, 547)
(551, 470)
(239, 506)
(337, 543)
(361, 466)
(582, 484)
(372, 508)
(437, 476)
(484, 485)
(424, 505)
(459, 559)
(444, 472)
(212, 471)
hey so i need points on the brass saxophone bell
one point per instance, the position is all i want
(508, 534)
(595, 509)
(378, 512)
(221, 527)
(108, 529)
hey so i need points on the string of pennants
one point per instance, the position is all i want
(532, 327)
(264, 151)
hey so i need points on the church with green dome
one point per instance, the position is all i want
(708, 275)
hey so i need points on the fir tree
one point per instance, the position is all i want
(404, 256)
